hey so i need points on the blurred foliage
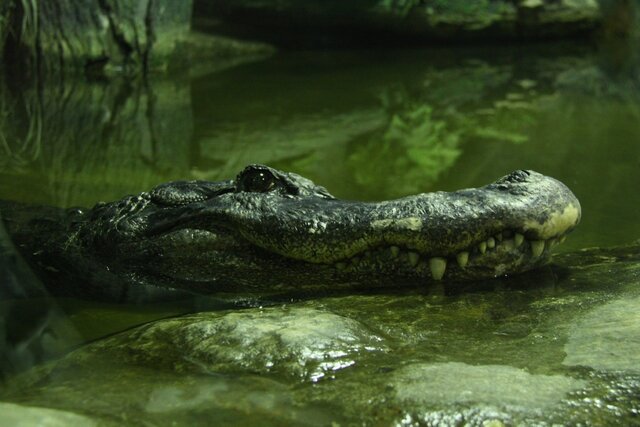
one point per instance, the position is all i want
(410, 155)
(471, 14)
(464, 7)
(401, 7)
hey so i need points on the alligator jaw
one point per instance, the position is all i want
(504, 253)
(503, 228)
(524, 204)
(490, 254)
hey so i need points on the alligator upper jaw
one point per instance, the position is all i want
(432, 224)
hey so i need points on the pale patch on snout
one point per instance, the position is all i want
(558, 222)
(411, 223)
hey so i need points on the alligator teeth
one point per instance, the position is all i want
(413, 258)
(518, 239)
(463, 259)
(395, 251)
(506, 241)
(537, 246)
(509, 244)
(437, 266)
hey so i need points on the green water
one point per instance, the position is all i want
(368, 126)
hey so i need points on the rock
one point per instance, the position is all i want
(224, 401)
(200, 370)
(28, 416)
(110, 37)
(299, 342)
(607, 338)
(497, 386)
(294, 22)
(130, 396)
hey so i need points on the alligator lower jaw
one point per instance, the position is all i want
(505, 253)
(502, 254)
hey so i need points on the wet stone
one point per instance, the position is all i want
(491, 388)
(19, 415)
(223, 401)
(139, 396)
(300, 342)
(607, 338)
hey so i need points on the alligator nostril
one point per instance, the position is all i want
(513, 178)
(518, 176)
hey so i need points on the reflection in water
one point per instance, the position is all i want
(507, 110)
(410, 155)
(74, 143)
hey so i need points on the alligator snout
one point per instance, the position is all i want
(267, 226)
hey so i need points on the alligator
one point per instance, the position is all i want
(268, 230)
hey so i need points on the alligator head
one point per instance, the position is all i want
(267, 229)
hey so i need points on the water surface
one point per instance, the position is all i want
(368, 125)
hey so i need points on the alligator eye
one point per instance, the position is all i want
(517, 176)
(258, 181)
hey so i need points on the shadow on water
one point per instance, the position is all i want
(33, 329)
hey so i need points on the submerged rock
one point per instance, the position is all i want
(201, 370)
(135, 396)
(607, 338)
(27, 416)
(495, 386)
(221, 401)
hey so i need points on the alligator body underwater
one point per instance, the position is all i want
(268, 230)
